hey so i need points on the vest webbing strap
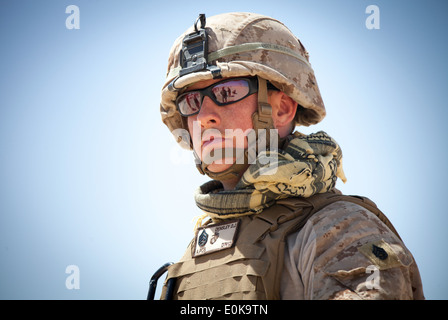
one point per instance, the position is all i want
(260, 247)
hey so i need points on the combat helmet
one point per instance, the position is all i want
(241, 45)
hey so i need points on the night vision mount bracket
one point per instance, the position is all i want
(194, 53)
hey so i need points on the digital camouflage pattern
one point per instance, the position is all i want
(290, 248)
(248, 44)
(344, 252)
(287, 247)
(305, 248)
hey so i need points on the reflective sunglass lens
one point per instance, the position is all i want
(190, 103)
(230, 91)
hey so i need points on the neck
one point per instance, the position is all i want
(230, 184)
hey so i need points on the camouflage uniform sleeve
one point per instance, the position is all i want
(344, 252)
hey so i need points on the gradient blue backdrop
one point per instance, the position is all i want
(89, 176)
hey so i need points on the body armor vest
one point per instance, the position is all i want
(253, 267)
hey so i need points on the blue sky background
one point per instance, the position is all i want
(89, 175)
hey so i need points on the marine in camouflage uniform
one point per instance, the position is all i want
(282, 231)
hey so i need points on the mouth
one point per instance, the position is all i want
(212, 141)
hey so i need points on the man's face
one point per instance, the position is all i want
(220, 126)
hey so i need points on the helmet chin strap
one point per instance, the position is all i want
(238, 166)
(262, 122)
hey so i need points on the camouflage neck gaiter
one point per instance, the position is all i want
(307, 164)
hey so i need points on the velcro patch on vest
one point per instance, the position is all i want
(381, 254)
(215, 237)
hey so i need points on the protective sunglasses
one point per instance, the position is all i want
(222, 93)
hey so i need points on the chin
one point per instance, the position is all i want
(216, 168)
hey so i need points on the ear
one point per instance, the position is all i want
(283, 111)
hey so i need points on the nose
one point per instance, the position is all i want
(208, 115)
